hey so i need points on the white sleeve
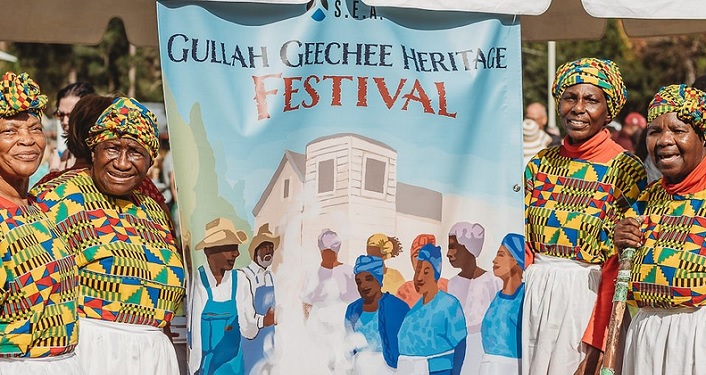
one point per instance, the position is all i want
(250, 322)
(197, 300)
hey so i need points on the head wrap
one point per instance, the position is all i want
(329, 239)
(515, 244)
(601, 73)
(382, 242)
(689, 104)
(20, 94)
(469, 235)
(126, 117)
(431, 254)
(369, 263)
(635, 118)
(420, 241)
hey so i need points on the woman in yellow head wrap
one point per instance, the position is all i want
(38, 274)
(574, 195)
(386, 247)
(667, 280)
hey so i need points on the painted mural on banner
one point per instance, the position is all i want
(349, 186)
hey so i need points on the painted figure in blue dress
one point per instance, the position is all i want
(377, 315)
(501, 329)
(432, 339)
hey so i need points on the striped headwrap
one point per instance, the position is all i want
(601, 73)
(20, 94)
(689, 103)
(126, 117)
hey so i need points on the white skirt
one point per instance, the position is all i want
(107, 348)
(499, 365)
(371, 363)
(666, 341)
(66, 364)
(559, 298)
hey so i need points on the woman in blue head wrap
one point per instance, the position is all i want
(432, 338)
(501, 329)
(377, 315)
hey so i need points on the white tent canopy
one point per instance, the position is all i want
(85, 22)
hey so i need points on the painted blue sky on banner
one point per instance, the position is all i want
(406, 86)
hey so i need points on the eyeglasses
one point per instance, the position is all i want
(60, 115)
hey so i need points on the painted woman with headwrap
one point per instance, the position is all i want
(131, 274)
(502, 327)
(386, 247)
(38, 274)
(574, 195)
(432, 338)
(377, 315)
(668, 278)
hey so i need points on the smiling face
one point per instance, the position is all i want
(584, 111)
(119, 166)
(368, 286)
(22, 146)
(424, 281)
(674, 146)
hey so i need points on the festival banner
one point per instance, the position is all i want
(343, 149)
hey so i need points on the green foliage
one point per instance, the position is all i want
(104, 65)
(646, 64)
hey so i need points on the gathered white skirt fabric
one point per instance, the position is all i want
(559, 298)
(666, 341)
(66, 364)
(107, 348)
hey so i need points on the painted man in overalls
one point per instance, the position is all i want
(262, 287)
(221, 306)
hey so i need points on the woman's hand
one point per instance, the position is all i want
(628, 234)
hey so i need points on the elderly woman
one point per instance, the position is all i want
(38, 275)
(377, 315)
(667, 280)
(574, 195)
(432, 338)
(131, 275)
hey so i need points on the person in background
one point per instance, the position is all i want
(407, 292)
(334, 282)
(131, 272)
(667, 279)
(38, 274)
(386, 247)
(501, 329)
(629, 134)
(432, 338)
(474, 287)
(534, 139)
(378, 316)
(538, 112)
(261, 285)
(574, 195)
(66, 99)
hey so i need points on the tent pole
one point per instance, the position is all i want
(551, 69)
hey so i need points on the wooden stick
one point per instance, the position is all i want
(616, 313)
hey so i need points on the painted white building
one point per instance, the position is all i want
(348, 183)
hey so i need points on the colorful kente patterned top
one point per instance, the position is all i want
(571, 205)
(129, 268)
(39, 280)
(670, 269)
